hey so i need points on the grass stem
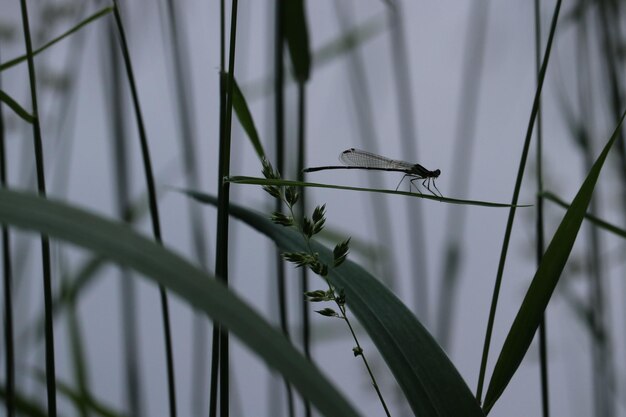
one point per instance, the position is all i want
(154, 208)
(543, 334)
(45, 242)
(223, 196)
(518, 186)
(9, 341)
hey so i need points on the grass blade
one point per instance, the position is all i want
(15, 106)
(245, 118)
(45, 241)
(431, 383)
(120, 244)
(83, 399)
(264, 181)
(83, 23)
(593, 219)
(547, 276)
(26, 406)
(516, 190)
(7, 278)
(152, 200)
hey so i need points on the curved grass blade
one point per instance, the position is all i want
(83, 23)
(547, 276)
(70, 291)
(593, 219)
(82, 277)
(245, 118)
(26, 406)
(82, 400)
(264, 181)
(14, 105)
(119, 243)
(430, 382)
(351, 39)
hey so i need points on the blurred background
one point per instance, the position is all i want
(447, 84)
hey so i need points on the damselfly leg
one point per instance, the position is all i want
(435, 185)
(411, 185)
(426, 182)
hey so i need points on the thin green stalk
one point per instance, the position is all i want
(608, 24)
(65, 107)
(603, 363)
(518, 185)
(215, 360)
(543, 341)
(344, 316)
(45, 242)
(8, 293)
(186, 122)
(274, 405)
(199, 234)
(358, 350)
(215, 340)
(78, 356)
(154, 208)
(309, 258)
(121, 167)
(199, 356)
(304, 273)
(132, 352)
(279, 114)
(223, 196)
(8, 300)
(602, 358)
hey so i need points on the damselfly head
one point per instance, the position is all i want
(436, 173)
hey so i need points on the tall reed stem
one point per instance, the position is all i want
(154, 208)
(45, 242)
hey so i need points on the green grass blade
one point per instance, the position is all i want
(83, 23)
(431, 383)
(514, 199)
(352, 38)
(297, 36)
(547, 276)
(82, 399)
(46, 265)
(121, 244)
(245, 118)
(26, 406)
(78, 357)
(14, 105)
(593, 219)
(264, 181)
(155, 217)
(71, 290)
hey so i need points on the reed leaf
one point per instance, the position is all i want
(430, 382)
(547, 276)
(119, 243)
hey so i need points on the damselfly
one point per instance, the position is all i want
(358, 159)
